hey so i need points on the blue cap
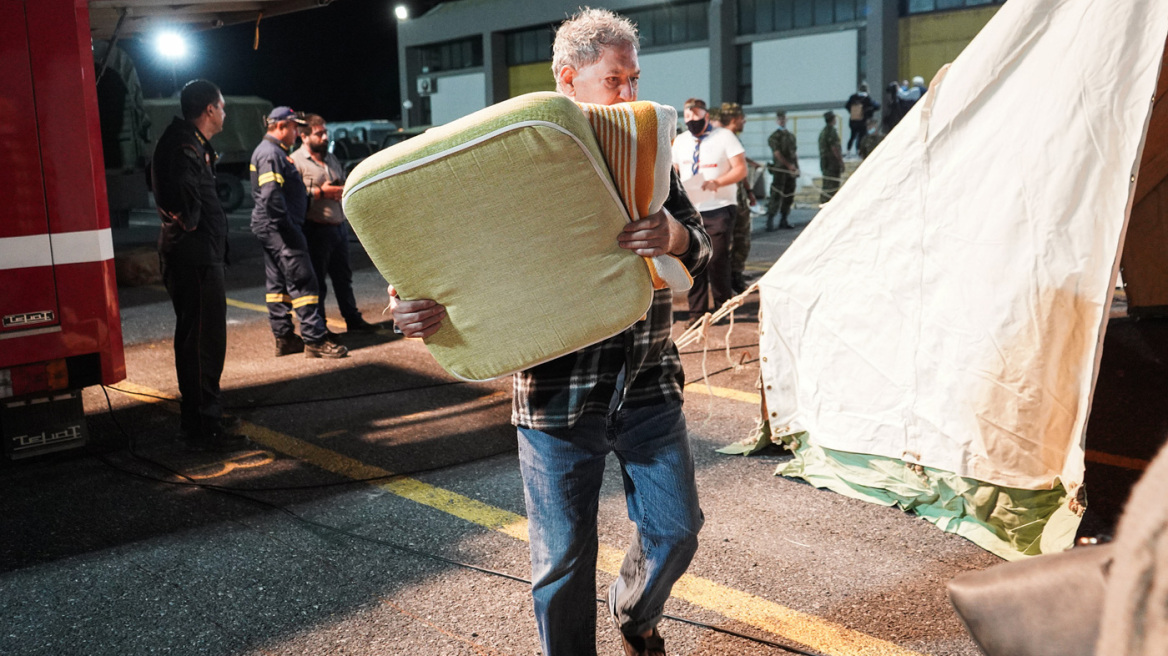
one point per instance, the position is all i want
(283, 113)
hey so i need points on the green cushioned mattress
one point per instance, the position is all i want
(509, 219)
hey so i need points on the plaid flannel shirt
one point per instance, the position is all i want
(555, 394)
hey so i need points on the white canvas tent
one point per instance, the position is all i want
(932, 338)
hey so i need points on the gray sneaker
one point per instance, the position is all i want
(326, 349)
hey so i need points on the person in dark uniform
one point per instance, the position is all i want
(281, 201)
(784, 173)
(192, 247)
(326, 229)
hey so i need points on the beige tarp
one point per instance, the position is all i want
(947, 309)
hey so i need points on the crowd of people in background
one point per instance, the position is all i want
(710, 148)
(730, 224)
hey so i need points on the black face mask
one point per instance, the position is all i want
(696, 126)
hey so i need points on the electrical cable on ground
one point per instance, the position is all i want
(314, 486)
(277, 404)
(347, 397)
(387, 477)
(236, 493)
(132, 449)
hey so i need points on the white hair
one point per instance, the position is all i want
(581, 39)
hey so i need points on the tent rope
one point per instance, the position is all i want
(699, 332)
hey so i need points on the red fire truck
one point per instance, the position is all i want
(61, 330)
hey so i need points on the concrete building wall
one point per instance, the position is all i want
(673, 76)
(457, 96)
(806, 70)
(802, 69)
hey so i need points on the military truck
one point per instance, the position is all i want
(242, 131)
(131, 124)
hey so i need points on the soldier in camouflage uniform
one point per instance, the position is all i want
(733, 119)
(784, 172)
(831, 159)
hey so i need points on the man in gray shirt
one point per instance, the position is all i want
(326, 229)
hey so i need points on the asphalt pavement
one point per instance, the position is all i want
(382, 512)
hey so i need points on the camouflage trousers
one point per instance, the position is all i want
(740, 246)
(781, 198)
(831, 183)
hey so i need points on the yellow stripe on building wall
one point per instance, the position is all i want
(529, 78)
(929, 41)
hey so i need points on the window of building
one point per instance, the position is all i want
(765, 16)
(745, 71)
(925, 6)
(452, 55)
(672, 24)
(530, 46)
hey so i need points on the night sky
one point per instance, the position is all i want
(339, 61)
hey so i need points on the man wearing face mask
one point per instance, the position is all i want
(711, 162)
(325, 226)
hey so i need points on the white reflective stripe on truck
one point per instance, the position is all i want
(24, 252)
(61, 248)
(84, 246)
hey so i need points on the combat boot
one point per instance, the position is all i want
(325, 349)
(289, 344)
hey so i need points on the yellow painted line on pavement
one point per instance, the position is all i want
(723, 392)
(247, 306)
(819, 634)
(243, 305)
(1116, 461)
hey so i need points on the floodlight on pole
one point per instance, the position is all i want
(402, 12)
(171, 45)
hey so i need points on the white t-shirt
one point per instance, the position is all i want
(717, 148)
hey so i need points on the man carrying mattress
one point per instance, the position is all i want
(623, 395)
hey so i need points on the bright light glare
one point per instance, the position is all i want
(401, 12)
(171, 45)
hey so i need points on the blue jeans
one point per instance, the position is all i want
(562, 471)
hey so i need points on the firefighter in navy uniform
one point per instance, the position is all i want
(192, 247)
(281, 202)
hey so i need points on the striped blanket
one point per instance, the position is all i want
(636, 138)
